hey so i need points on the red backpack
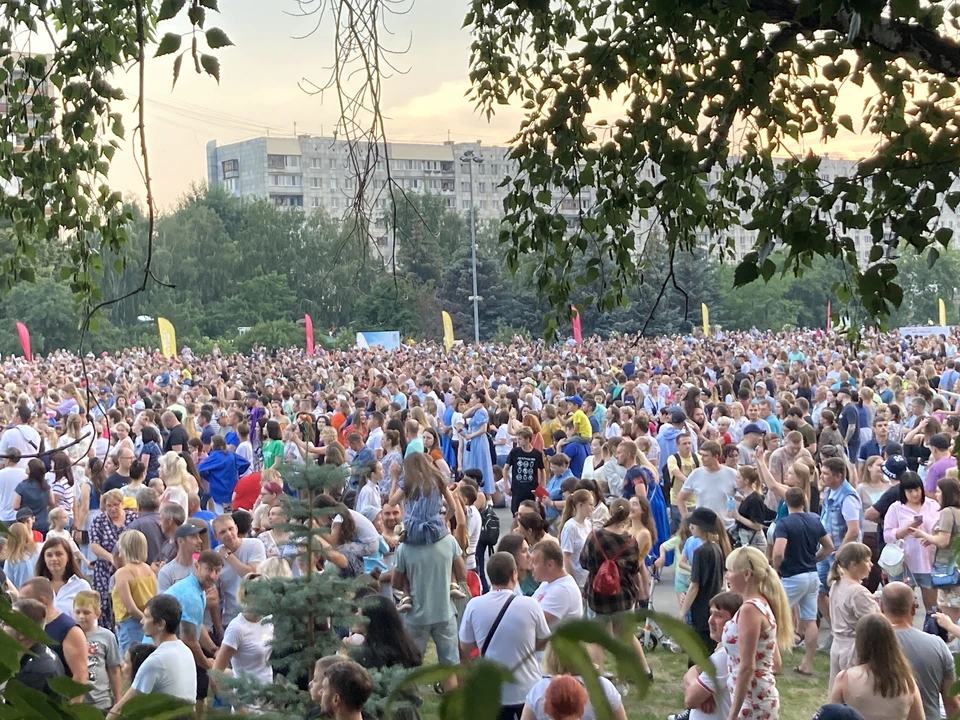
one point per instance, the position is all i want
(607, 580)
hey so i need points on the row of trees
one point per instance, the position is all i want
(221, 264)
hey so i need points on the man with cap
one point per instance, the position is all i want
(26, 517)
(941, 460)
(849, 421)
(752, 437)
(706, 575)
(189, 540)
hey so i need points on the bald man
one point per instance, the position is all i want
(928, 654)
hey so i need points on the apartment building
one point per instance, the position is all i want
(312, 172)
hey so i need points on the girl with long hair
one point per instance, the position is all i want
(941, 538)
(22, 554)
(386, 642)
(62, 484)
(759, 632)
(173, 472)
(644, 530)
(706, 570)
(881, 685)
(849, 601)
(576, 524)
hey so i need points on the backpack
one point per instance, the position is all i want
(489, 527)
(607, 579)
(665, 476)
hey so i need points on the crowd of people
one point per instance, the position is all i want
(793, 484)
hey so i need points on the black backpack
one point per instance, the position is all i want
(665, 471)
(489, 527)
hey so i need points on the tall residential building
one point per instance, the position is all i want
(312, 172)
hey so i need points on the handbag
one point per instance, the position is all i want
(891, 559)
(496, 624)
(946, 575)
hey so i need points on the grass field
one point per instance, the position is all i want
(799, 696)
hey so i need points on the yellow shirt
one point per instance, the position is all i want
(582, 424)
(687, 466)
(141, 589)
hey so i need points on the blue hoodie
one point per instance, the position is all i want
(222, 469)
(578, 453)
(667, 440)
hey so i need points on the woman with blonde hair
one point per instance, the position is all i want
(849, 601)
(134, 583)
(22, 554)
(881, 685)
(555, 665)
(759, 632)
(173, 473)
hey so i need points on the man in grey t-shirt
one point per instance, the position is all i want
(241, 556)
(928, 655)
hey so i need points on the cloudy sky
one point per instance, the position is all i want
(260, 90)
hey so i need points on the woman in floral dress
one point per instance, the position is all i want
(104, 531)
(755, 637)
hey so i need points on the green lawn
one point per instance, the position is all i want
(799, 696)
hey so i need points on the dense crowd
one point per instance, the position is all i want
(791, 482)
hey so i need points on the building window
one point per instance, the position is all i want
(315, 162)
(333, 163)
(483, 187)
(335, 202)
(231, 185)
(333, 183)
(231, 168)
(348, 183)
(314, 202)
(274, 179)
(276, 162)
(316, 182)
(483, 204)
(482, 168)
(293, 161)
(446, 186)
(466, 204)
(465, 187)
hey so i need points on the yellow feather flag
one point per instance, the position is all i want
(447, 330)
(168, 338)
(943, 313)
(705, 311)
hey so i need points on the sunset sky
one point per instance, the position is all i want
(259, 90)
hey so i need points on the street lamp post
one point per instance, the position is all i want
(470, 158)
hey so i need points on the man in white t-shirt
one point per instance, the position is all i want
(21, 436)
(514, 641)
(559, 595)
(468, 495)
(241, 556)
(708, 698)
(170, 669)
(11, 475)
(712, 484)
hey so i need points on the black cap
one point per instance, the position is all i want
(678, 417)
(24, 513)
(703, 517)
(895, 466)
(186, 530)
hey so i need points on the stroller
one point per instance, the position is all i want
(652, 635)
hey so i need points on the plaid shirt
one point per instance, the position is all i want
(603, 543)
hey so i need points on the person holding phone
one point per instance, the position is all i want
(912, 513)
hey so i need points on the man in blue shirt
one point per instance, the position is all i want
(950, 376)
(222, 468)
(364, 460)
(192, 594)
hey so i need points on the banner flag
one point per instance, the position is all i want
(309, 323)
(168, 338)
(24, 340)
(577, 333)
(705, 311)
(447, 330)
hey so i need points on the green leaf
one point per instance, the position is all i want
(481, 689)
(217, 38)
(211, 65)
(170, 43)
(846, 121)
(176, 69)
(197, 15)
(575, 655)
(67, 687)
(20, 622)
(210, 5)
(170, 8)
(157, 707)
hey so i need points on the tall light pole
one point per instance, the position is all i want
(470, 158)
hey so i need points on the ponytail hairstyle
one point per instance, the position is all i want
(619, 512)
(802, 472)
(849, 554)
(751, 476)
(348, 527)
(570, 507)
(750, 559)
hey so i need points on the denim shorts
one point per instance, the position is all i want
(802, 593)
(823, 570)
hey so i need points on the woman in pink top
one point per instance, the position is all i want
(914, 511)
